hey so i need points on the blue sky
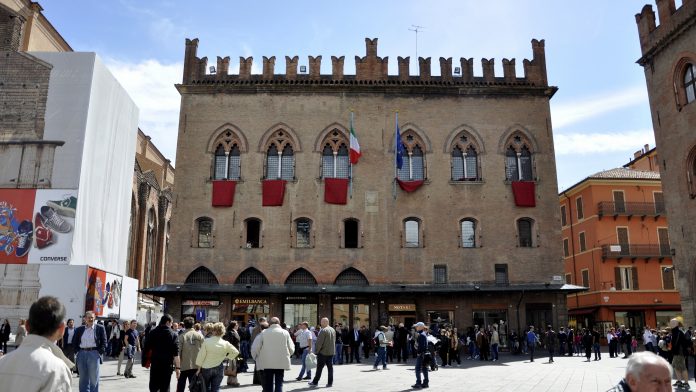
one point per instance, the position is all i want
(600, 114)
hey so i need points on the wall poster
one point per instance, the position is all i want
(37, 225)
(103, 293)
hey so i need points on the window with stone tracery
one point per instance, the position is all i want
(335, 156)
(413, 167)
(690, 83)
(518, 159)
(227, 161)
(280, 157)
(465, 162)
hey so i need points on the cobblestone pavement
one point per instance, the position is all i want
(511, 373)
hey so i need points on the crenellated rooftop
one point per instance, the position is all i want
(673, 21)
(370, 70)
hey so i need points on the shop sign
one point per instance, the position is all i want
(296, 298)
(251, 301)
(349, 298)
(402, 308)
(200, 302)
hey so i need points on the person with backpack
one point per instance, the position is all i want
(421, 346)
(380, 342)
(679, 352)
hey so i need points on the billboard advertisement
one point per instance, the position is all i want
(37, 225)
(103, 293)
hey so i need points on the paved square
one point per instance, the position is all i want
(512, 373)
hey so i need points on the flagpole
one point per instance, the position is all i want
(350, 172)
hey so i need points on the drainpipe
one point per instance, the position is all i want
(519, 326)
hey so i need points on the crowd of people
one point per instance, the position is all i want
(202, 354)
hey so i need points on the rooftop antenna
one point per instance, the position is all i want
(416, 29)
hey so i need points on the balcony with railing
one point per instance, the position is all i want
(635, 251)
(630, 209)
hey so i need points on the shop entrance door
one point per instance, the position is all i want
(351, 315)
(539, 315)
(407, 320)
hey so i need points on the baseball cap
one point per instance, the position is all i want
(419, 324)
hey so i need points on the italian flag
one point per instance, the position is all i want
(354, 145)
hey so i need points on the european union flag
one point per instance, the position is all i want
(398, 147)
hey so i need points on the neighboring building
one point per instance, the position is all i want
(151, 210)
(669, 60)
(23, 27)
(67, 142)
(343, 240)
(616, 243)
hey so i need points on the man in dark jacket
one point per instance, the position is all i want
(401, 343)
(562, 339)
(421, 363)
(354, 341)
(90, 345)
(551, 340)
(163, 348)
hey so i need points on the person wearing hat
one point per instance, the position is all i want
(421, 349)
(381, 348)
(679, 350)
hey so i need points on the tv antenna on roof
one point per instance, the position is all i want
(416, 29)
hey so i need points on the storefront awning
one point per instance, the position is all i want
(579, 312)
(173, 289)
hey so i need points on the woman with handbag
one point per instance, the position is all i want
(211, 356)
(232, 336)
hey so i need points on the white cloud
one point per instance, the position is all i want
(151, 86)
(592, 143)
(572, 112)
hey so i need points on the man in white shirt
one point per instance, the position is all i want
(305, 337)
(90, 345)
(18, 370)
(647, 340)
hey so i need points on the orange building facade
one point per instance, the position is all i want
(616, 243)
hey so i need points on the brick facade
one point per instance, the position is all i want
(437, 111)
(668, 49)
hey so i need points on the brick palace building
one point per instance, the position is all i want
(669, 61)
(270, 218)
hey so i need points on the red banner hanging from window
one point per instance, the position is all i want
(409, 186)
(336, 190)
(223, 193)
(524, 193)
(273, 192)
